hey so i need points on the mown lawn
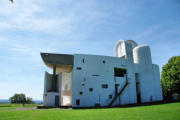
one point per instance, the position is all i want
(169, 111)
(13, 106)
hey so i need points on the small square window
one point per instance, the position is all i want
(78, 68)
(110, 96)
(80, 92)
(77, 102)
(103, 61)
(104, 86)
(90, 89)
(83, 84)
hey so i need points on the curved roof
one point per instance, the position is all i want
(51, 59)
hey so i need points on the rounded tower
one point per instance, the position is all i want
(143, 61)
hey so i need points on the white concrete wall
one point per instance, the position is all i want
(66, 91)
(157, 83)
(93, 65)
(142, 57)
(93, 73)
(49, 97)
(47, 82)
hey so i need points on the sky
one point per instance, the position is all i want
(28, 27)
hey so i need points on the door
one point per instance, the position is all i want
(56, 100)
(116, 89)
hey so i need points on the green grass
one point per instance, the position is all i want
(13, 106)
(169, 111)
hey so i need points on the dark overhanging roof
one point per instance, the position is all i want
(51, 59)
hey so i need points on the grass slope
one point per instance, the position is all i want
(169, 111)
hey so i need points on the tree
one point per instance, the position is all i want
(11, 1)
(20, 98)
(170, 77)
(29, 100)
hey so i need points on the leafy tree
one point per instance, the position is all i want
(29, 100)
(11, 1)
(20, 98)
(170, 77)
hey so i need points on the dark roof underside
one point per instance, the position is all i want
(51, 59)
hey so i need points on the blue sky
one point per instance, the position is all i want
(29, 27)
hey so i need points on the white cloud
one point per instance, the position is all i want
(25, 15)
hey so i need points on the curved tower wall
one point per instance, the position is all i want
(47, 82)
(157, 81)
(123, 49)
(120, 50)
(142, 57)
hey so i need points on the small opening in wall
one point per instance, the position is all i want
(78, 68)
(84, 79)
(90, 89)
(119, 72)
(103, 61)
(83, 84)
(95, 75)
(77, 102)
(97, 105)
(110, 96)
(83, 60)
(104, 85)
(80, 92)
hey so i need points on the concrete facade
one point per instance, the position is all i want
(81, 80)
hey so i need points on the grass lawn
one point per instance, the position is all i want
(170, 111)
(13, 106)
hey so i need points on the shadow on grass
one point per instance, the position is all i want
(129, 105)
(107, 107)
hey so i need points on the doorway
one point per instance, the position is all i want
(138, 93)
(56, 100)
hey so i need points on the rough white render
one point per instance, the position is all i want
(84, 72)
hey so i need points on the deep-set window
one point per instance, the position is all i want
(103, 61)
(119, 72)
(104, 85)
(90, 89)
(77, 101)
(78, 68)
(110, 96)
(95, 75)
(80, 92)
(83, 84)
(83, 60)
